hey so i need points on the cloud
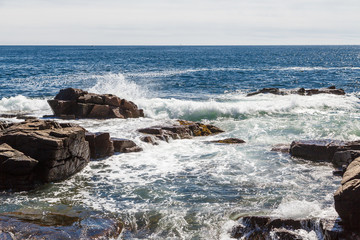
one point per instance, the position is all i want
(179, 22)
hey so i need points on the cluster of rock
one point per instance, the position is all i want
(184, 130)
(35, 151)
(55, 225)
(300, 91)
(72, 103)
(259, 227)
(345, 154)
(102, 145)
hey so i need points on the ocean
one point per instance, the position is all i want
(190, 189)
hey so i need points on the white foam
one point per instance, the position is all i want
(302, 209)
(117, 84)
(23, 104)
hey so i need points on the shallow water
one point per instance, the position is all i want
(190, 189)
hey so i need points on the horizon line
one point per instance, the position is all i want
(166, 45)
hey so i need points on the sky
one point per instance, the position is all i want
(179, 22)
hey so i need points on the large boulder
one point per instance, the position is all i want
(77, 103)
(37, 151)
(300, 91)
(347, 197)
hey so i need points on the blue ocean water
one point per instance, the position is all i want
(189, 189)
(182, 72)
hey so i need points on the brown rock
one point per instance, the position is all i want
(100, 111)
(70, 94)
(347, 197)
(54, 225)
(229, 141)
(284, 148)
(149, 139)
(315, 150)
(73, 103)
(60, 151)
(125, 145)
(112, 100)
(100, 144)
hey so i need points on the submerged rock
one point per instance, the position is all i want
(125, 145)
(77, 103)
(284, 148)
(49, 225)
(300, 91)
(185, 130)
(37, 151)
(229, 141)
(262, 227)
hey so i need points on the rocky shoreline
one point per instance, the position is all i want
(36, 152)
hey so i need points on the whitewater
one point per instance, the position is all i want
(190, 189)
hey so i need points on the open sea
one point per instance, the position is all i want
(189, 189)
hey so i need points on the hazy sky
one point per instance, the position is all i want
(174, 22)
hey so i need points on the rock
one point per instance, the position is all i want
(47, 151)
(81, 104)
(284, 148)
(229, 141)
(125, 145)
(100, 144)
(185, 130)
(259, 227)
(347, 197)
(149, 139)
(315, 150)
(301, 91)
(53, 225)
(344, 158)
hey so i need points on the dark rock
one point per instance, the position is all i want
(229, 141)
(185, 130)
(347, 197)
(38, 226)
(100, 144)
(70, 94)
(60, 153)
(149, 139)
(284, 148)
(125, 145)
(100, 111)
(315, 150)
(331, 229)
(301, 91)
(81, 104)
(344, 158)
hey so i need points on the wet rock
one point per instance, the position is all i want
(149, 139)
(125, 145)
(284, 148)
(344, 158)
(185, 130)
(301, 91)
(46, 150)
(100, 144)
(78, 103)
(229, 141)
(315, 150)
(38, 226)
(257, 227)
(347, 197)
